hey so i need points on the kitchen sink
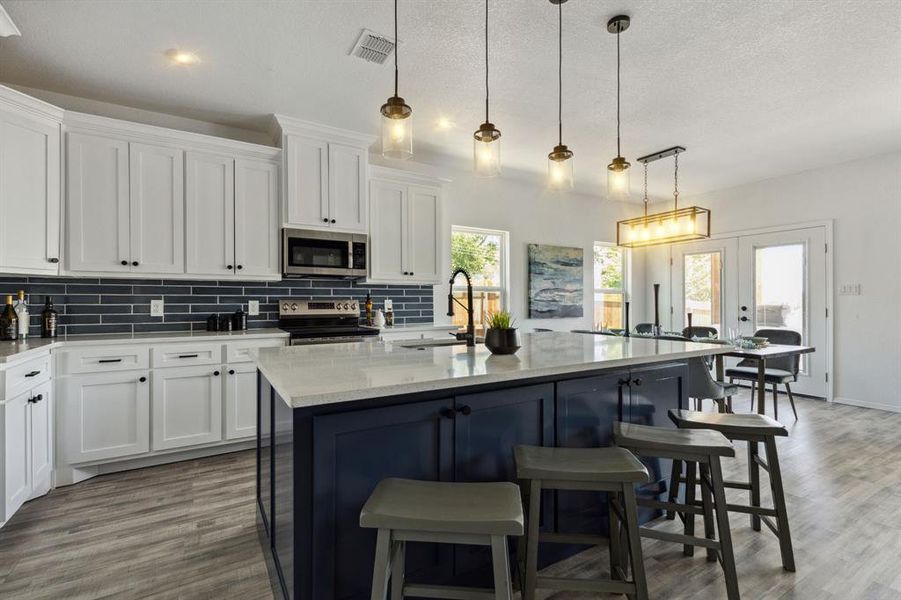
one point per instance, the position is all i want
(432, 343)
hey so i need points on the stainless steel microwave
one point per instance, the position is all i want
(309, 253)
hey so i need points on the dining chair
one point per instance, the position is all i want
(644, 328)
(701, 386)
(778, 371)
(700, 331)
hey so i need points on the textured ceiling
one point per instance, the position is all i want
(752, 89)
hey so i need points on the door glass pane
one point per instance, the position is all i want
(703, 289)
(779, 283)
(608, 310)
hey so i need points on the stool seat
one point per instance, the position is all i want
(579, 464)
(728, 424)
(645, 437)
(770, 375)
(445, 507)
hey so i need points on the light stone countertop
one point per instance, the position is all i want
(15, 351)
(307, 376)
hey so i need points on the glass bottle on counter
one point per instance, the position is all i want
(49, 319)
(369, 314)
(9, 323)
(21, 308)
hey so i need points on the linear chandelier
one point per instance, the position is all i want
(668, 227)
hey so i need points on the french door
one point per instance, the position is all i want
(760, 281)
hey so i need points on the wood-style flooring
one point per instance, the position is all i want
(188, 530)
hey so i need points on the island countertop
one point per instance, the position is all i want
(316, 375)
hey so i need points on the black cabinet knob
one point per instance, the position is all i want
(448, 413)
(325, 220)
(134, 263)
(411, 273)
(216, 373)
(743, 319)
(124, 263)
(231, 371)
(744, 308)
(622, 382)
(240, 267)
(333, 220)
(637, 381)
(229, 267)
(39, 397)
(464, 410)
(53, 260)
(142, 379)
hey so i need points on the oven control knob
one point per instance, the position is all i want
(346, 306)
(353, 306)
(285, 306)
(294, 307)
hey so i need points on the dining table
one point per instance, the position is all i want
(761, 355)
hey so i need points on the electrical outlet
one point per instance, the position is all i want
(156, 308)
(253, 308)
(849, 289)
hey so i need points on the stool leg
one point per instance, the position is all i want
(397, 570)
(521, 540)
(382, 563)
(707, 504)
(785, 539)
(499, 558)
(689, 517)
(630, 506)
(532, 539)
(613, 536)
(675, 474)
(725, 534)
(754, 480)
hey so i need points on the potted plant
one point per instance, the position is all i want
(501, 337)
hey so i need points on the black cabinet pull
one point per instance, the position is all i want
(124, 263)
(240, 267)
(103, 361)
(142, 379)
(36, 399)
(32, 374)
(135, 263)
(188, 356)
(229, 267)
(411, 273)
(216, 373)
(325, 220)
(623, 382)
(53, 260)
(231, 371)
(448, 413)
(464, 410)
(637, 381)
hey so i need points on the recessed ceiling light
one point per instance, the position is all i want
(181, 57)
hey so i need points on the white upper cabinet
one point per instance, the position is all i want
(157, 228)
(325, 176)
(29, 184)
(404, 227)
(256, 218)
(210, 213)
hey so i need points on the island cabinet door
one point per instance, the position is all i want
(486, 428)
(654, 390)
(352, 452)
(586, 410)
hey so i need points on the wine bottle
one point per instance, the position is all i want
(9, 324)
(49, 319)
(369, 309)
(21, 308)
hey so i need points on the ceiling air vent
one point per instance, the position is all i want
(373, 47)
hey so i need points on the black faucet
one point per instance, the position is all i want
(470, 335)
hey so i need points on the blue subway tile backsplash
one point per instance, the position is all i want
(87, 305)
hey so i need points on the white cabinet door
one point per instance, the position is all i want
(187, 406)
(423, 216)
(347, 170)
(209, 213)
(104, 415)
(241, 401)
(307, 181)
(256, 218)
(17, 476)
(97, 209)
(157, 209)
(41, 439)
(29, 195)
(387, 227)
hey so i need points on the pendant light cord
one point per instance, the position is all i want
(396, 46)
(676, 182)
(618, 30)
(560, 77)
(645, 190)
(487, 120)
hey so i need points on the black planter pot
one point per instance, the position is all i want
(502, 341)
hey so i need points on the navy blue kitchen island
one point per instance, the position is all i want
(335, 420)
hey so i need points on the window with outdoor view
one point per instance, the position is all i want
(483, 254)
(609, 286)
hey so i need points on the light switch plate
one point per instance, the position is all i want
(253, 308)
(156, 308)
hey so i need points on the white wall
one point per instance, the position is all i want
(863, 198)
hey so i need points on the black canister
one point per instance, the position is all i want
(225, 322)
(239, 320)
(212, 323)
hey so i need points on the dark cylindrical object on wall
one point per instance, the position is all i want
(626, 328)
(656, 306)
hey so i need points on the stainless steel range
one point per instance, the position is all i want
(322, 321)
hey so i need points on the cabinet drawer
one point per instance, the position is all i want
(237, 352)
(24, 376)
(185, 355)
(104, 359)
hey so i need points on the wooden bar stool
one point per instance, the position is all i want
(755, 430)
(403, 510)
(701, 450)
(611, 470)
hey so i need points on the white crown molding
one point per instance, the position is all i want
(405, 176)
(284, 125)
(151, 133)
(16, 100)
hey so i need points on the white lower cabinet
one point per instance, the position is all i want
(41, 439)
(241, 401)
(187, 406)
(104, 416)
(27, 461)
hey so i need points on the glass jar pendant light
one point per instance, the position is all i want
(397, 117)
(560, 159)
(618, 185)
(486, 145)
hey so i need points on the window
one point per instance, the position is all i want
(610, 272)
(483, 254)
(703, 289)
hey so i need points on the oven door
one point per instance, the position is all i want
(323, 254)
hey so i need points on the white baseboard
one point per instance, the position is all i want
(865, 404)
